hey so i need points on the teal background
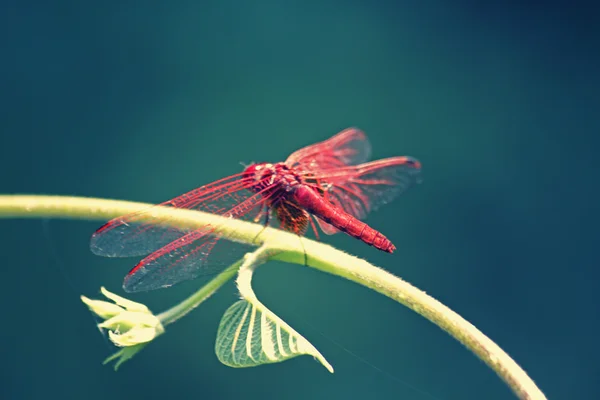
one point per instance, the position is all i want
(146, 100)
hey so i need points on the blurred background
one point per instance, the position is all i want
(146, 100)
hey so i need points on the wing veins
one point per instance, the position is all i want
(204, 233)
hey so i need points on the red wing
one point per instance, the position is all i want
(363, 188)
(198, 253)
(179, 254)
(349, 147)
(138, 234)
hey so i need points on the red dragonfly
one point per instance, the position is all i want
(326, 182)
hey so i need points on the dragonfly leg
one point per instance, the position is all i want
(267, 213)
(304, 250)
(264, 208)
(314, 227)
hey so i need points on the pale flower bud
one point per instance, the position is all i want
(130, 325)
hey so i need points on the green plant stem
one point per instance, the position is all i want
(287, 247)
(174, 313)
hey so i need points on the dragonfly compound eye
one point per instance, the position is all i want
(258, 174)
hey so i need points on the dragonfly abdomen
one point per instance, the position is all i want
(307, 198)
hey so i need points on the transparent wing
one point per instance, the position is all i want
(178, 254)
(140, 233)
(363, 188)
(349, 147)
(199, 253)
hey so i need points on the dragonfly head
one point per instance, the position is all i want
(259, 174)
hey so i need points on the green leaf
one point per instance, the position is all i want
(250, 334)
(248, 337)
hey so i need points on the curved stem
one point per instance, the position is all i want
(181, 309)
(287, 247)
